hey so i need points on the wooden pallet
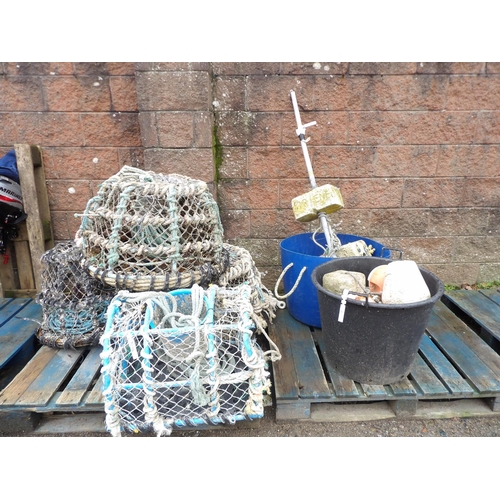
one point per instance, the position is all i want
(456, 372)
(20, 266)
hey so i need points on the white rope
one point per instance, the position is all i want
(297, 281)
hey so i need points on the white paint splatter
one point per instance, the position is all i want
(317, 65)
(71, 190)
(95, 160)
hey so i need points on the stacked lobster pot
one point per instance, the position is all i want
(180, 343)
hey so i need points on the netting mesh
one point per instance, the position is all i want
(145, 231)
(181, 358)
(73, 303)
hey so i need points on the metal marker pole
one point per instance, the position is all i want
(301, 133)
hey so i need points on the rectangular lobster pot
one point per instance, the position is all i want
(375, 343)
(301, 251)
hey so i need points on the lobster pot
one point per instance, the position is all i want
(242, 270)
(73, 303)
(152, 232)
(182, 358)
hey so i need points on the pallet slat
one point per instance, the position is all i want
(425, 379)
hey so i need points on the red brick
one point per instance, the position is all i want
(60, 225)
(448, 68)
(493, 228)
(272, 93)
(162, 91)
(104, 68)
(400, 161)
(381, 68)
(342, 161)
(133, 157)
(123, 93)
(8, 130)
(455, 274)
(488, 130)
(111, 129)
(492, 68)
(487, 273)
(194, 163)
(175, 129)
(473, 92)
(236, 223)
(246, 68)
(481, 192)
(458, 221)
(469, 161)
(234, 163)
(370, 193)
(274, 224)
(84, 93)
(61, 199)
(273, 162)
(476, 249)
(21, 94)
(80, 163)
(435, 192)
(50, 129)
(40, 68)
(203, 129)
(424, 250)
(399, 222)
(248, 194)
(178, 66)
(248, 129)
(230, 94)
(149, 129)
(318, 68)
(264, 252)
(350, 221)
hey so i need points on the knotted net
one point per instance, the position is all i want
(152, 232)
(73, 303)
(182, 358)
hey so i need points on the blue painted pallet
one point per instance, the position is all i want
(453, 363)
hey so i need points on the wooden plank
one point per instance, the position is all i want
(478, 306)
(27, 375)
(464, 358)
(488, 355)
(311, 378)
(96, 397)
(403, 388)
(15, 333)
(343, 387)
(444, 370)
(286, 385)
(425, 379)
(81, 381)
(25, 166)
(7, 275)
(12, 308)
(24, 265)
(43, 388)
(374, 391)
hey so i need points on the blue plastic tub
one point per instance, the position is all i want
(301, 251)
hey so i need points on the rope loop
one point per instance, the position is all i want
(283, 297)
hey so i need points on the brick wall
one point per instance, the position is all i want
(414, 147)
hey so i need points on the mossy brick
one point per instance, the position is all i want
(272, 93)
(177, 91)
(433, 192)
(229, 93)
(77, 94)
(111, 129)
(196, 163)
(123, 93)
(21, 93)
(65, 195)
(50, 129)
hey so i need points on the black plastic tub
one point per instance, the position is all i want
(375, 343)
